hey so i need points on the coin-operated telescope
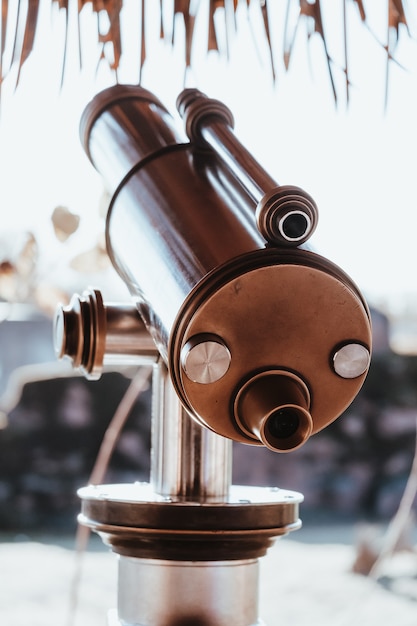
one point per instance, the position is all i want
(254, 338)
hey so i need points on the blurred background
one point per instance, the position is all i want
(324, 94)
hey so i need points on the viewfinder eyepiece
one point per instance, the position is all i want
(283, 423)
(273, 408)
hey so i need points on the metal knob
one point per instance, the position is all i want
(351, 360)
(88, 331)
(205, 359)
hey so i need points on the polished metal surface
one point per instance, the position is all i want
(175, 593)
(254, 178)
(182, 231)
(123, 125)
(259, 342)
(205, 359)
(351, 360)
(169, 202)
(288, 314)
(189, 543)
(280, 427)
(286, 215)
(187, 461)
(209, 122)
(93, 334)
(137, 521)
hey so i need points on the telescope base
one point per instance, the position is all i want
(188, 563)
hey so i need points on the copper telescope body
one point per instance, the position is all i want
(266, 342)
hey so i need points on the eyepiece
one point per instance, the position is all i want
(283, 423)
(294, 225)
(273, 408)
(286, 216)
(286, 428)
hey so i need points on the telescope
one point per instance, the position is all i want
(252, 336)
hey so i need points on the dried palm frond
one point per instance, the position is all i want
(22, 27)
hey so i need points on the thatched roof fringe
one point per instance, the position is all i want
(22, 25)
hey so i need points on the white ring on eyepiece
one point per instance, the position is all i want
(282, 220)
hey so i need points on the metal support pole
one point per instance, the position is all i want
(187, 460)
(193, 464)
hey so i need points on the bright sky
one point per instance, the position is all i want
(358, 164)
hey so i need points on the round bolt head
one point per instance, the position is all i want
(351, 360)
(59, 332)
(205, 359)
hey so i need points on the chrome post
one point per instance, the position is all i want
(188, 464)
(187, 460)
(188, 542)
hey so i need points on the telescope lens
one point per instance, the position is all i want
(294, 226)
(283, 423)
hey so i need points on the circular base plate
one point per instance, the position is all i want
(136, 521)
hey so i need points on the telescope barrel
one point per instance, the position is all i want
(171, 221)
(266, 343)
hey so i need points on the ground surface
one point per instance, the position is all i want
(305, 581)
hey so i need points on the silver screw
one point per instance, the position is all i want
(351, 360)
(205, 359)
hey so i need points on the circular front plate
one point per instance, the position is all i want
(290, 317)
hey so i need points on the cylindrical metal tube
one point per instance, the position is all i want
(285, 215)
(93, 334)
(169, 226)
(187, 460)
(121, 127)
(221, 304)
(279, 427)
(210, 121)
(173, 593)
(256, 180)
(125, 334)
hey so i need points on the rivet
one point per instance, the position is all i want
(351, 360)
(205, 359)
